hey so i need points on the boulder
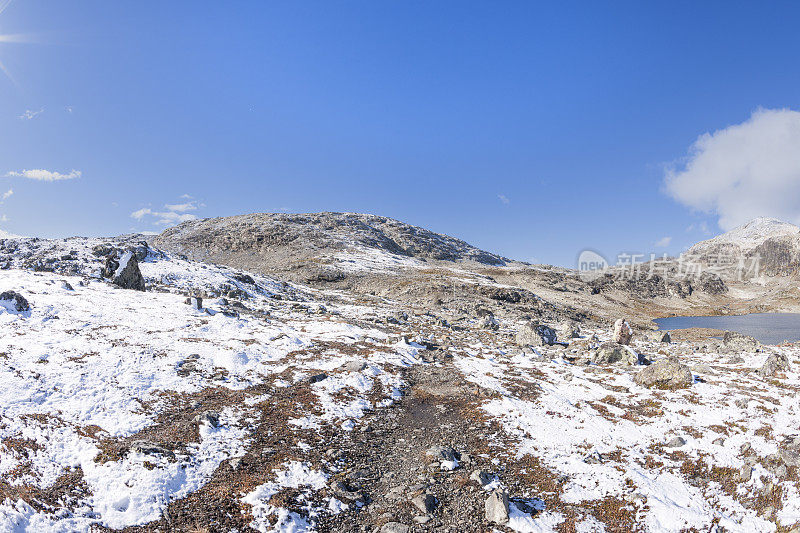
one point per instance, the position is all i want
(736, 342)
(124, 271)
(775, 363)
(496, 507)
(622, 332)
(569, 331)
(664, 336)
(665, 374)
(610, 353)
(14, 301)
(534, 334)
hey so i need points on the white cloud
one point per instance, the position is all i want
(743, 171)
(182, 208)
(44, 175)
(30, 114)
(3, 218)
(6, 195)
(663, 242)
(172, 213)
(503, 198)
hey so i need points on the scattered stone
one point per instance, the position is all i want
(66, 286)
(353, 366)
(481, 477)
(421, 519)
(569, 331)
(720, 441)
(665, 337)
(394, 527)
(664, 374)
(775, 363)
(593, 458)
(534, 334)
(316, 378)
(790, 457)
(195, 302)
(209, 417)
(440, 453)
(16, 300)
(149, 448)
(745, 448)
(426, 503)
(745, 473)
(676, 442)
(614, 353)
(735, 360)
(496, 507)
(622, 332)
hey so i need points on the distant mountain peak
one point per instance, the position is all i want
(750, 235)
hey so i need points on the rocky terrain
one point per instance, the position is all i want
(380, 378)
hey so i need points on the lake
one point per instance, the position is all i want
(768, 328)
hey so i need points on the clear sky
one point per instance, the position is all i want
(531, 129)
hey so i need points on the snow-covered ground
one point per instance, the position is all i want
(610, 438)
(90, 365)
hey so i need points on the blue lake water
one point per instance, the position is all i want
(768, 328)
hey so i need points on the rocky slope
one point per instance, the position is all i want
(224, 400)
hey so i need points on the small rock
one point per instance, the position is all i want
(720, 441)
(149, 448)
(195, 302)
(394, 527)
(209, 417)
(622, 332)
(316, 378)
(66, 286)
(745, 473)
(440, 453)
(422, 519)
(426, 503)
(353, 366)
(534, 334)
(593, 458)
(496, 507)
(665, 337)
(676, 442)
(481, 477)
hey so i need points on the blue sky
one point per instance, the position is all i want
(526, 128)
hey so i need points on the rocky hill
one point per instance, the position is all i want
(315, 244)
(774, 243)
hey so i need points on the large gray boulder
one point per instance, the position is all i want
(613, 353)
(534, 334)
(14, 301)
(665, 374)
(775, 363)
(123, 271)
(736, 342)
